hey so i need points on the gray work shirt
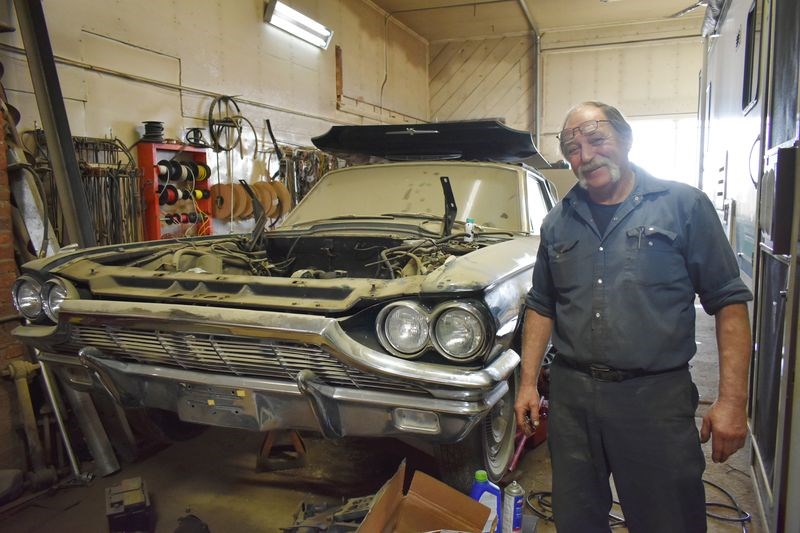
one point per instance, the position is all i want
(626, 298)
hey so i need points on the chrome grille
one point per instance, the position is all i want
(224, 354)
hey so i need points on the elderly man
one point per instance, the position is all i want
(620, 262)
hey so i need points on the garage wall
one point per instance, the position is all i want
(483, 78)
(646, 70)
(126, 61)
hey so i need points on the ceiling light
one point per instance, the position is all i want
(292, 21)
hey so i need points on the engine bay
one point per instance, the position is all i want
(318, 257)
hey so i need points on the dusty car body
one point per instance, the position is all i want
(368, 312)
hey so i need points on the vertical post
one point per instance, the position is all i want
(50, 101)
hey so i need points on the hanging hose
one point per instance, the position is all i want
(274, 142)
(223, 124)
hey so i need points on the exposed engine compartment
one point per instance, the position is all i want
(319, 257)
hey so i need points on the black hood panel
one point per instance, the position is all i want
(472, 140)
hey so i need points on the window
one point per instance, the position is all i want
(752, 45)
(667, 147)
(537, 205)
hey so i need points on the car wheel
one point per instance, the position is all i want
(489, 446)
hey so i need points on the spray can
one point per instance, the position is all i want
(513, 501)
(489, 495)
(469, 229)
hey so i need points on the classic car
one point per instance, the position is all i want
(386, 304)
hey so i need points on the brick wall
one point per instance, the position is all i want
(12, 452)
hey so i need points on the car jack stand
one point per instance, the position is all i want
(281, 450)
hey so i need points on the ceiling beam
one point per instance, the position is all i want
(524, 7)
(448, 6)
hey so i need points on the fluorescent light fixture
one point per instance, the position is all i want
(292, 21)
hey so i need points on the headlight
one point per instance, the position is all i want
(459, 330)
(403, 328)
(27, 297)
(54, 292)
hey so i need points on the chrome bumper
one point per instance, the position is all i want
(444, 403)
(263, 405)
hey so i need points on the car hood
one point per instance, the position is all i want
(469, 140)
(108, 273)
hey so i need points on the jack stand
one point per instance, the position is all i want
(281, 450)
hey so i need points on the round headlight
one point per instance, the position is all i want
(459, 331)
(403, 328)
(27, 297)
(53, 295)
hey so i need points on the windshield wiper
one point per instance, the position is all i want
(423, 216)
(340, 217)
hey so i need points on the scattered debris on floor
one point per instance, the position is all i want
(311, 517)
(191, 524)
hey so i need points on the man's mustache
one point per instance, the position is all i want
(597, 162)
(594, 165)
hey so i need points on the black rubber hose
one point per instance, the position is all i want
(217, 126)
(274, 142)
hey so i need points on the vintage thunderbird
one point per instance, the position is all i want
(387, 303)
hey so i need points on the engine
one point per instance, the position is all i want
(319, 257)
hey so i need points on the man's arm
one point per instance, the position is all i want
(726, 419)
(535, 337)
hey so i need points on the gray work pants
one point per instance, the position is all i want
(642, 431)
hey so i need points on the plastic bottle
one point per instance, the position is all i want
(513, 501)
(469, 228)
(489, 495)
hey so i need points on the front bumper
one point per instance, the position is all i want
(298, 372)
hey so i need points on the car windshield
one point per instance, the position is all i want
(487, 193)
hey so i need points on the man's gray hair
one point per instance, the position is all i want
(613, 116)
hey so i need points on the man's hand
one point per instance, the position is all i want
(527, 408)
(726, 422)
(535, 337)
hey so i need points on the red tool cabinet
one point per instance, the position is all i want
(162, 221)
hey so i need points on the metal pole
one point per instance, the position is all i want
(50, 101)
(51, 395)
(537, 110)
(105, 461)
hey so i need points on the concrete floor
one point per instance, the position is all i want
(213, 477)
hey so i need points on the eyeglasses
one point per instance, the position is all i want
(590, 126)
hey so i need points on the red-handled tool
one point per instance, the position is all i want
(521, 438)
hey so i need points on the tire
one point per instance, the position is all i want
(489, 446)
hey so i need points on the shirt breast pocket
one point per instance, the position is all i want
(565, 265)
(653, 256)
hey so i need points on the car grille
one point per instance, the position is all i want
(224, 354)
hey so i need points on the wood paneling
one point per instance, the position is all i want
(483, 78)
(645, 79)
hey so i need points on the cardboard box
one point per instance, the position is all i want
(429, 506)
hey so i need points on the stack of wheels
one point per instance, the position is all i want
(231, 201)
